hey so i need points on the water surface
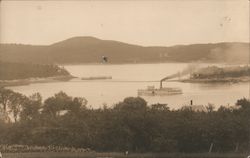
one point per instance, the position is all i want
(128, 78)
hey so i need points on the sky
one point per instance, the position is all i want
(142, 22)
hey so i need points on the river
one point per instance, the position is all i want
(128, 78)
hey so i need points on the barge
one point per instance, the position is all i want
(97, 78)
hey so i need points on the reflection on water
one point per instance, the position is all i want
(127, 79)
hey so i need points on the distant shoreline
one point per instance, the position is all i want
(138, 63)
(218, 80)
(124, 63)
(21, 82)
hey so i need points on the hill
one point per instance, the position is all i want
(90, 50)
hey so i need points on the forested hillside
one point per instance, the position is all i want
(12, 71)
(90, 50)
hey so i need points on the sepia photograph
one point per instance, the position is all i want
(124, 79)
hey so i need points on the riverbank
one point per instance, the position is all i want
(20, 82)
(217, 80)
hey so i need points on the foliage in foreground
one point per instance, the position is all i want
(131, 125)
(122, 155)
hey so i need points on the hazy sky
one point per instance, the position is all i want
(139, 22)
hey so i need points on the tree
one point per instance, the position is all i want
(243, 103)
(132, 103)
(210, 108)
(31, 107)
(132, 116)
(5, 98)
(160, 107)
(54, 105)
(77, 104)
(17, 101)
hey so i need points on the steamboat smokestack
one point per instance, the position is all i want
(161, 84)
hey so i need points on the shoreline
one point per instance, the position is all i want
(217, 80)
(22, 82)
(137, 63)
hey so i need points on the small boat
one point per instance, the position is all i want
(152, 91)
(97, 78)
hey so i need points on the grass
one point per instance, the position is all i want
(121, 155)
